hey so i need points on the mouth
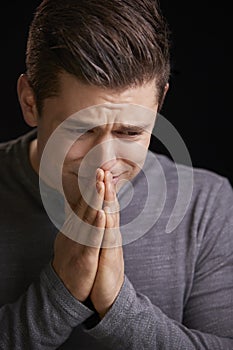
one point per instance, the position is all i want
(85, 177)
(115, 179)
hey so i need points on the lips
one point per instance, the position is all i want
(115, 179)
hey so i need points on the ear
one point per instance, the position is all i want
(27, 101)
(164, 95)
(165, 90)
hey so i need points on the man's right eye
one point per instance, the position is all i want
(81, 131)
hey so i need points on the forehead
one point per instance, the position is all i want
(75, 96)
(108, 113)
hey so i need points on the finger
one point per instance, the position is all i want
(99, 174)
(81, 203)
(78, 228)
(110, 193)
(80, 222)
(112, 235)
(95, 204)
(110, 197)
(110, 202)
(84, 233)
(111, 221)
(87, 208)
(94, 237)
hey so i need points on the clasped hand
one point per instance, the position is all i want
(91, 270)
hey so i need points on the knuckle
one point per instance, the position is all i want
(88, 218)
(95, 237)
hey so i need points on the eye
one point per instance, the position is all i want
(84, 131)
(133, 133)
(80, 131)
(129, 133)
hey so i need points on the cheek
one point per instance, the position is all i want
(78, 151)
(134, 152)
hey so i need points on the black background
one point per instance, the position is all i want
(200, 97)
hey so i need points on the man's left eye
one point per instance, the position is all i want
(132, 133)
(129, 133)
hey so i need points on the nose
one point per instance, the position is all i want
(105, 153)
(102, 154)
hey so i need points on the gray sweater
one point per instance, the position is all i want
(178, 286)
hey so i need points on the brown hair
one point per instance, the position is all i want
(108, 43)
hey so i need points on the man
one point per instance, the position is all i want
(94, 62)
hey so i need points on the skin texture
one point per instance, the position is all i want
(87, 271)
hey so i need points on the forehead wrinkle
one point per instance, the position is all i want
(120, 114)
(96, 116)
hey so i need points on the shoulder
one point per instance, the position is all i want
(9, 148)
(14, 154)
(8, 155)
(200, 193)
(203, 179)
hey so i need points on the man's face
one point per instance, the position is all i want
(116, 139)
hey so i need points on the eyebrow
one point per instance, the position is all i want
(120, 126)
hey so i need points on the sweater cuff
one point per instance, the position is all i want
(112, 322)
(62, 299)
